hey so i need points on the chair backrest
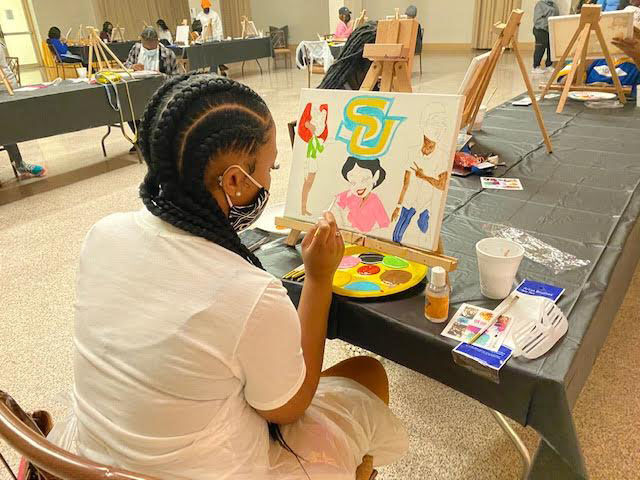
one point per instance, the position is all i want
(285, 30)
(17, 429)
(278, 39)
(48, 55)
(14, 65)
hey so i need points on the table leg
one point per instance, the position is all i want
(259, 66)
(515, 438)
(104, 149)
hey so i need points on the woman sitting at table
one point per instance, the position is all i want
(150, 55)
(164, 34)
(107, 30)
(191, 362)
(61, 49)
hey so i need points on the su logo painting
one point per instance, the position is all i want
(367, 127)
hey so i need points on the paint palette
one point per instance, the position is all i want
(365, 273)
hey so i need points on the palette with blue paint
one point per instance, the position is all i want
(365, 273)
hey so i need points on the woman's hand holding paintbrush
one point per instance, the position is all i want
(322, 249)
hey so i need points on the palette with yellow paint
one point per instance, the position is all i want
(365, 273)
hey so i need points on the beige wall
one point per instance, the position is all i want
(526, 27)
(305, 18)
(63, 14)
(444, 22)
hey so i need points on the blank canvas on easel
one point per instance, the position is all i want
(370, 154)
(613, 24)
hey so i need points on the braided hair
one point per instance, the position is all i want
(350, 66)
(187, 124)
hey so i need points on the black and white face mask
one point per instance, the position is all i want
(242, 217)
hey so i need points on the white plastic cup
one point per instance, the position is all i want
(498, 263)
(82, 72)
(480, 117)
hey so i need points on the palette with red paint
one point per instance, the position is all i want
(366, 273)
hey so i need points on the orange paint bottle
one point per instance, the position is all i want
(436, 307)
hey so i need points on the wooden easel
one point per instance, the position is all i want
(589, 21)
(207, 31)
(5, 80)
(118, 34)
(102, 53)
(507, 38)
(360, 20)
(392, 55)
(249, 29)
(395, 44)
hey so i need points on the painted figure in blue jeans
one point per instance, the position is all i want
(406, 211)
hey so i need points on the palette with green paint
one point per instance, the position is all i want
(365, 273)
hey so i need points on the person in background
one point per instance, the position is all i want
(634, 6)
(347, 72)
(609, 5)
(25, 170)
(344, 28)
(149, 54)
(107, 30)
(543, 10)
(211, 29)
(412, 12)
(60, 46)
(164, 34)
(211, 23)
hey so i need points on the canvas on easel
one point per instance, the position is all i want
(578, 49)
(380, 161)
(117, 35)
(249, 29)
(614, 24)
(507, 38)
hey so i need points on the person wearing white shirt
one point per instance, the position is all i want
(163, 32)
(191, 362)
(211, 23)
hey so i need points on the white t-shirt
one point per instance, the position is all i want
(213, 18)
(165, 35)
(176, 340)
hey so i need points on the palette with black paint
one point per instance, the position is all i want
(366, 273)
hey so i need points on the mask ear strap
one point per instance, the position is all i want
(243, 171)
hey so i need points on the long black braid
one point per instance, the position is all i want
(350, 66)
(187, 123)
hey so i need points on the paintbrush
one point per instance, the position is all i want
(500, 310)
(294, 272)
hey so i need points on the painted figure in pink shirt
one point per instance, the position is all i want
(359, 206)
(344, 28)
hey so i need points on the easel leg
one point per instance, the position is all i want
(534, 102)
(560, 63)
(292, 238)
(386, 80)
(611, 64)
(582, 44)
(90, 71)
(401, 78)
(373, 74)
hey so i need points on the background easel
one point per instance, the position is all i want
(589, 21)
(391, 54)
(118, 34)
(249, 29)
(507, 38)
(360, 20)
(102, 53)
(4, 79)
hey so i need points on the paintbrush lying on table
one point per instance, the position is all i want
(296, 275)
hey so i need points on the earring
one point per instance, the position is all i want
(238, 194)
